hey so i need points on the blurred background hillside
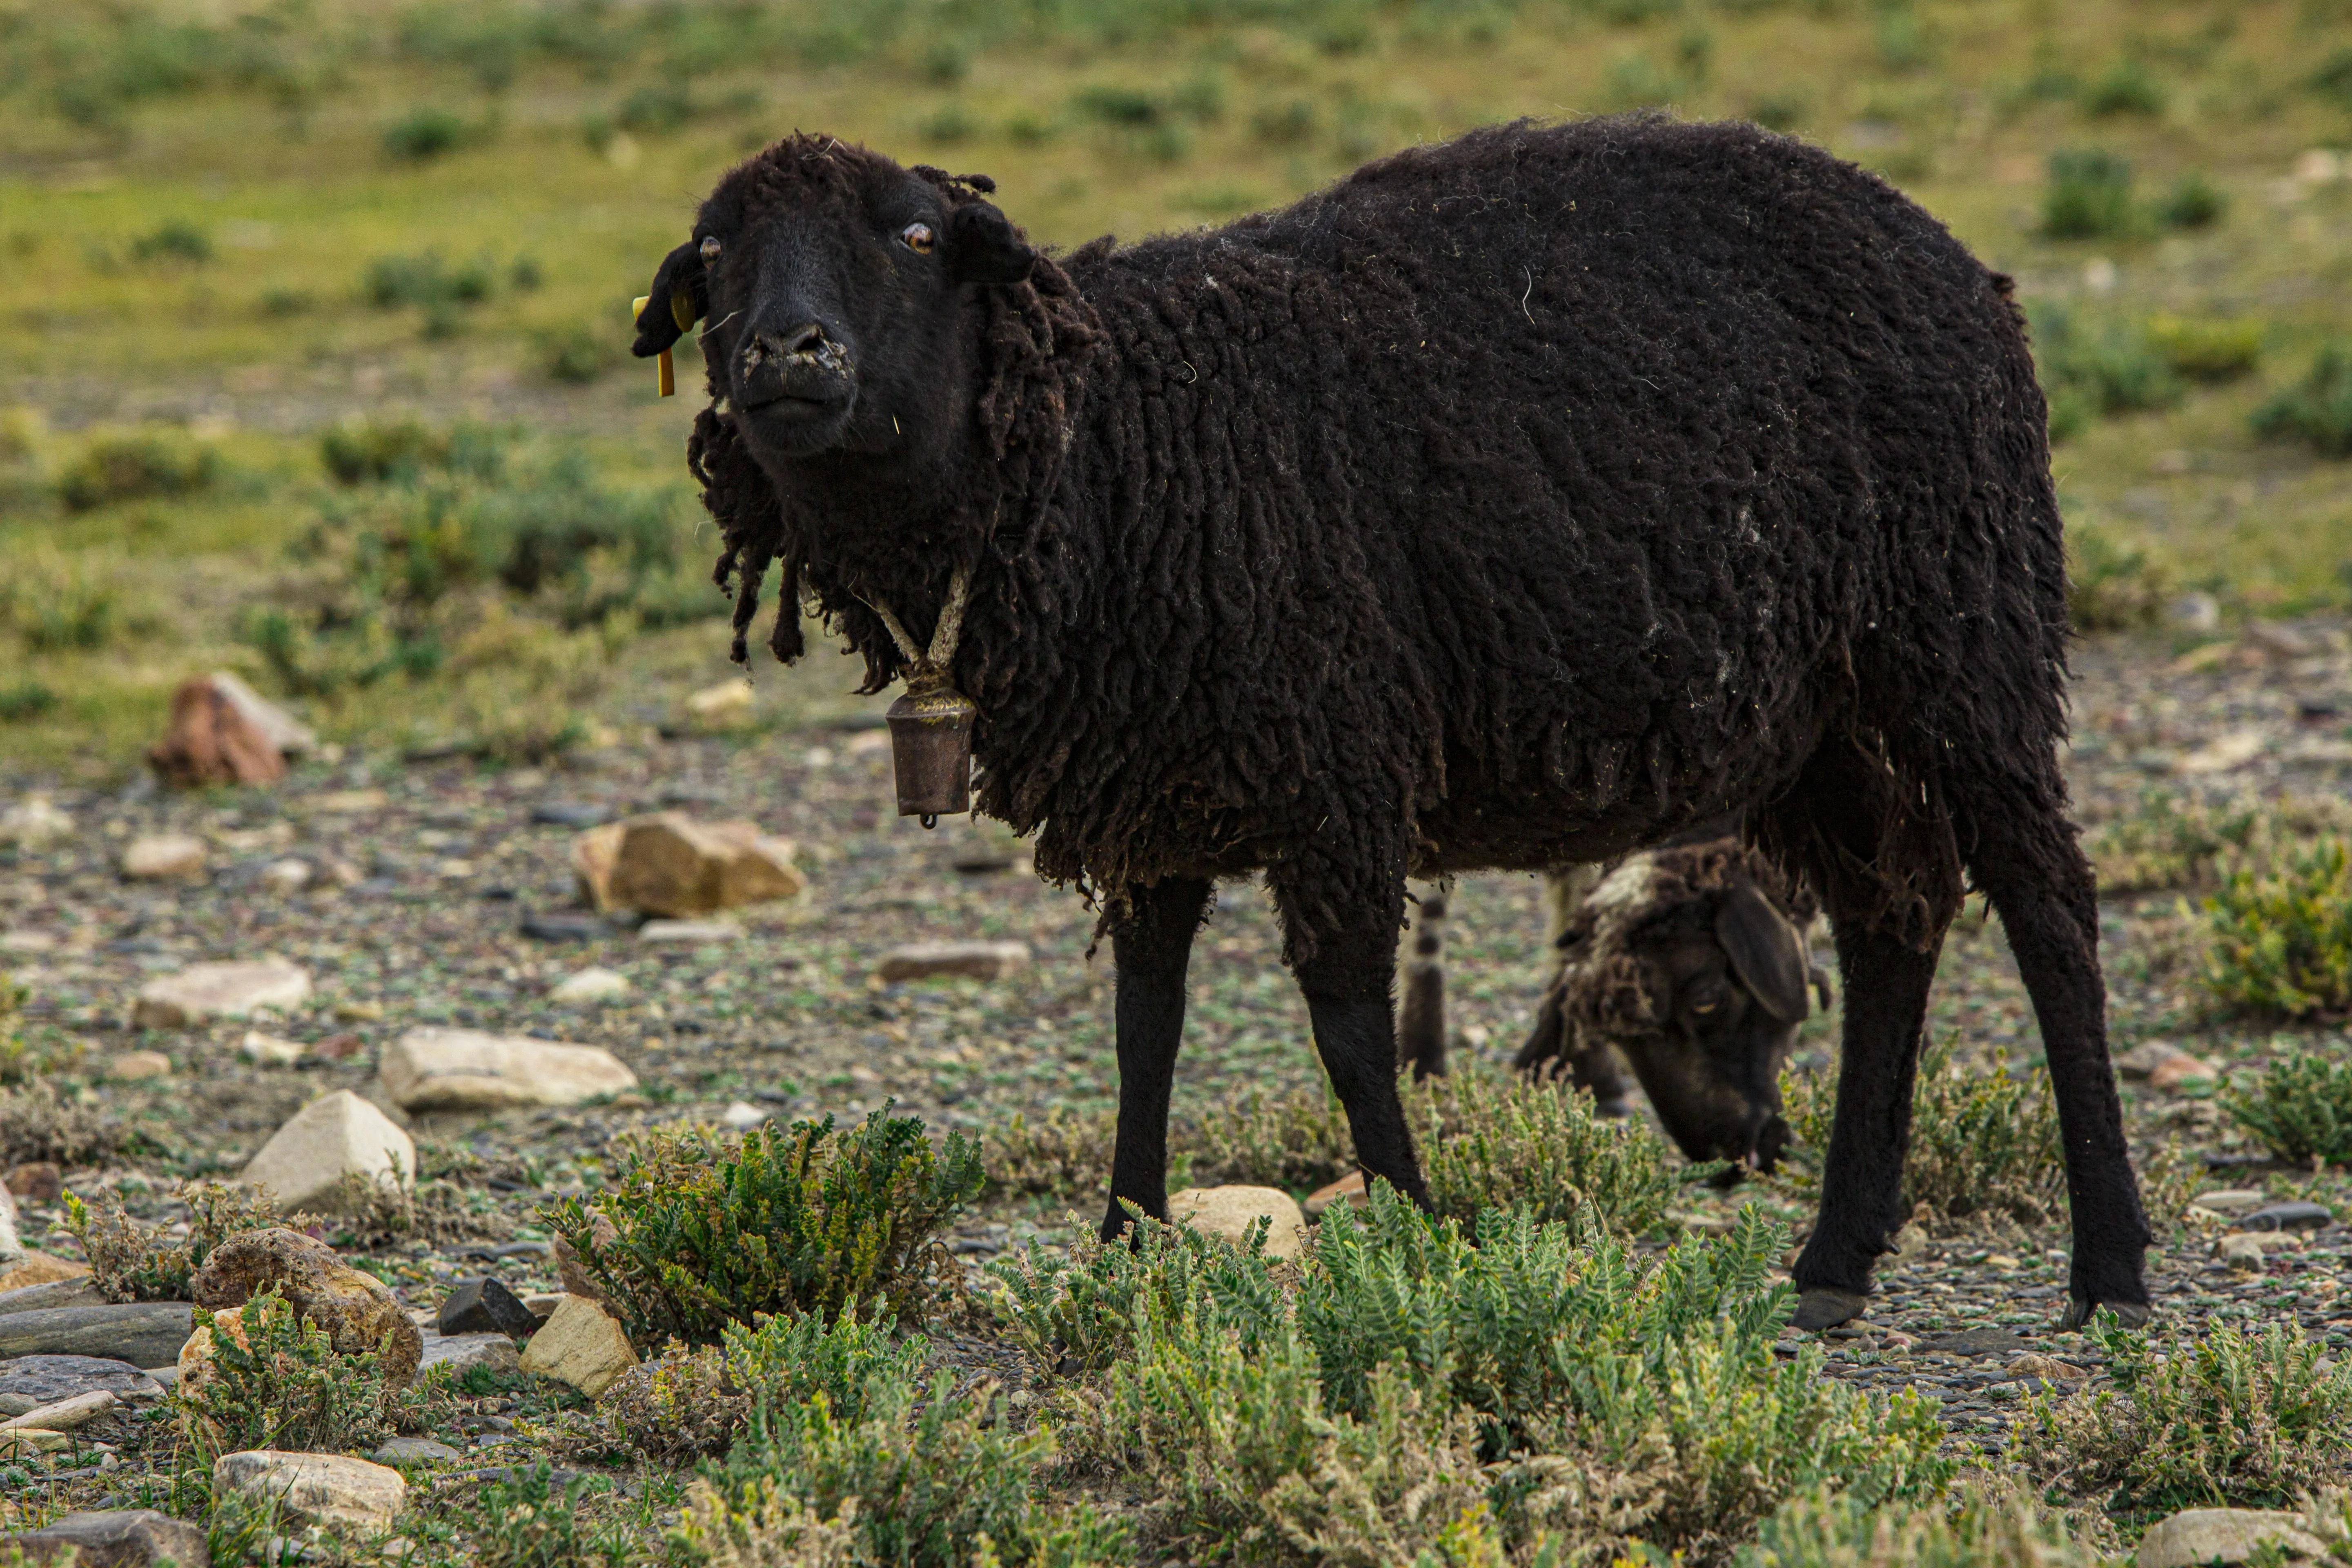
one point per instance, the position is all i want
(315, 365)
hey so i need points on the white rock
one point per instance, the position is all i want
(269, 1051)
(163, 857)
(2232, 1200)
(1229, 1212)
(727, 699)
(34, 823)
(232, 990)
(743, 1115)
(467, 1070)
(2224, 752)
(462, 1353)
(580, 1345)
(64, 1416)
(2196, 612)
(2241, 1248)
(2203, 1535)
(305, 1161)
(281, 729)
(291, 875)
(977, 960)
(676, 933)
(590, 985)
(12, 1246)
(130, 1066)
(316, 1489)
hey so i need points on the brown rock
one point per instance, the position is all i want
(210, 740)
(582, 1345)
(39, 1268)
(117, 1538)
(1350, 1187)
(38, 1182)
(357, 1312)
(331, 1490)
(667, 864)
(2178, 1069)
(130, 1066)
(1230, 1211)
(164, 856)
(972, 960)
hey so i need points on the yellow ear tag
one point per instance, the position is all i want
(666, 379)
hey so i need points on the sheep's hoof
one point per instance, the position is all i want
(1819, 1310)
(2130, 1314)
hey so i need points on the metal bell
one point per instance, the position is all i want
(930, 752)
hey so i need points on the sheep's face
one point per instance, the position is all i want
(835, 291)
(1705, 1001)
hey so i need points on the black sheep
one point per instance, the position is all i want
(1516, 501)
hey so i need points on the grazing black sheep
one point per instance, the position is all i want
(1514, 502)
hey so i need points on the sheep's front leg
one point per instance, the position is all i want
(1151, 947)
(1341, 943)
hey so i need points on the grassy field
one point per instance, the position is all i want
(242, 227)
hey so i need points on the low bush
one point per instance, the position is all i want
(2317, 413)
(530, 1518)
(2226, 1419)
(396, 282)
(424, 134)
(1984, 1144)
(135, 466)
(2114, 369)
(1067, 1152)
(576, 354)
(2089, 196)
(58, 602)
(2111, 584)
(2168, 841)
(2301, 1109)
(274, 1380)
(35, 1124)
(1296, 1141)
(2126, 88)
(713, 1231)
(24, 701)
(358, 452)
(1825, 1530)
(175, 240)
(1488, 1141)
(694, 1402)
(2208, 350)
(1542, 1384)
(2193, 202)
(2278, 941)
(131, 1260)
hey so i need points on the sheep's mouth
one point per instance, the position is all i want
(795, 423)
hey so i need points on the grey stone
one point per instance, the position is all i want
(118, 1537)
(414, 1451)
(2197, 1536)
(30, 1382)
(77, 1292)
(485, 1307)
(1980, 1342)
(316, 1489)
(463, 1352)
(143, 1333)
(2288, 1216)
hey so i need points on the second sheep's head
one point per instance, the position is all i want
(1691, 962)
(834, 287)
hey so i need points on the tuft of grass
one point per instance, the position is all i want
(139, 465)
(2089, 196)
(576, 354)
(394, 282)
(2127, 87)
(2193, 202)
(276, 1381)
(358, 452)
(713, 1231)
(2318, 412)
(2207, 350)
(130, 1260)
(1972, 1529)
(2301, 1111)
(2166, 841)
(1487, 1140)
(1984, 1145)
(533, 1519)
(35, 1124)
(2227, 1419)
(1066, 1152)
(426, 133)
(176, 239)
(2112, 585)
(1297, 1141)
(2279, 940)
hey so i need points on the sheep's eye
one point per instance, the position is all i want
(710, 249)
(918, 237)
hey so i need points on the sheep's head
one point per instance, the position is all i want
(1689, 961)
(836, 288)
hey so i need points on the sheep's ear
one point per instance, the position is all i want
(1764, 950)
(984, 248)
(673, 304)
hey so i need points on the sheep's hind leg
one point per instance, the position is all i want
(1886, 981)
(1151, 947)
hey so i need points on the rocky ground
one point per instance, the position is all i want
(418, 892)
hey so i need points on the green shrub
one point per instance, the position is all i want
(1296, 1141)
(2194, 202)
(2301, 1111)
(2089, 196)
(2319, 411)
(2334, 78)
(713, 1232)
(2111, 585)
(1828, 1530)
(423, 134)
(1604, 1392)
(2168, 841)
(696, 1402)
(1486, 1141)
(576, 354)
(16, 1055)
(362, 451)
(2279, 941)
(135, 466)
(656, 110)
(1066, 1152)
(2115, 370)
(528, 1521)
(393, 282)
(276, 1382)
(2225, 1419)
(2126, 88)
(175, 240)
(1983, 1144)
(2207, 350)
(131, 1260)
(24, 700)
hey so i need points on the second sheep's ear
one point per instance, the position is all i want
(984, 248)
(673, 304)
(1764, 950)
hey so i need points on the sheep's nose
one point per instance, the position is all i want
(805, 339)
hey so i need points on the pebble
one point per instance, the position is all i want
(2197, 1536)
(1230, 1211)
(580, 1345)
(743, 1115)
(35, 823)
(2231, 1200)
(463, 1352)
(972, 960)
(31, 1382)
(130, 1067)
(164, 856)
(590, 986)
(566, 926)
(467, 1070)
(397, 1451)
(269, 1050)
(36, 1182)
(117, 1538)
(659, 933)
(230, 990)
(571, 814)
(485, 1305)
